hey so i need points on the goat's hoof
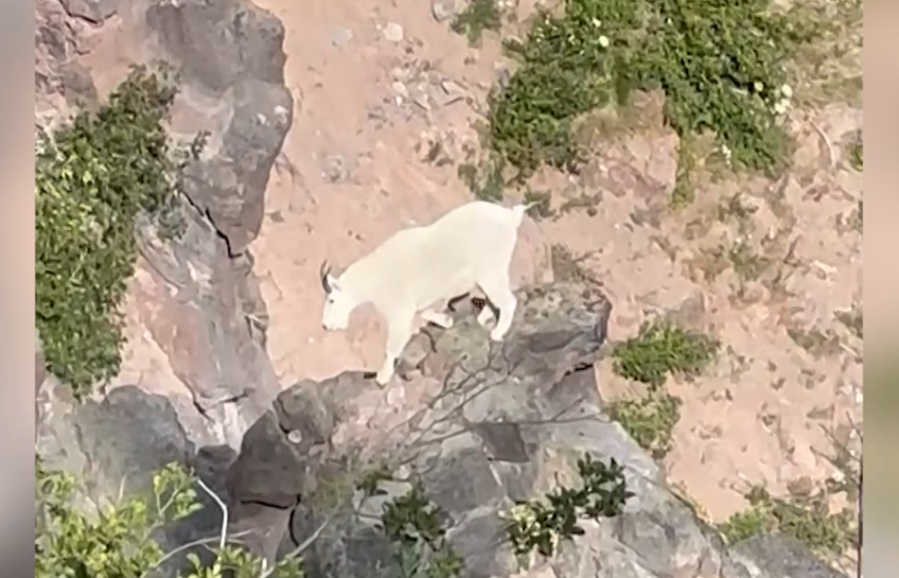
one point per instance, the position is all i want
(383, 380)
(484, 320)
(440, 320)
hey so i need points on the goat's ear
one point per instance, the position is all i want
(333, 283)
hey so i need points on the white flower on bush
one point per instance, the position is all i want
(726, 152)
(784, 103)
(603, 41)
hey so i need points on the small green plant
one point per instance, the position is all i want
(368, 483)
(856, 152)
(542, 525)
(856, 219)
(413, 525)
(685, 178)
(474, 19)
(747, 264)
(649, 420)
(662, 348)
(485, 183)
(806, 518)
(92, 180)
(722, 67)
(118, 542)
(735, 207)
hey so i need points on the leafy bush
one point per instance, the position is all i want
(808, 519)
(535, 525)
(475, 18)
(413, 525)
(662, 348)
(649, 420)
(720, 64)
(856, 152)
(92, 180)
(119, 543)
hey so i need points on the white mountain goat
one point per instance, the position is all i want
(420, 269)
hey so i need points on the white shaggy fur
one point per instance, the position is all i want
(420, 269)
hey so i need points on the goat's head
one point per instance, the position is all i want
(338, 303)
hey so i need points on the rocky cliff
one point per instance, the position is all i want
(480, 425)
(207, 315)
(493, 424)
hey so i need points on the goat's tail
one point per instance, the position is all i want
(518, 211)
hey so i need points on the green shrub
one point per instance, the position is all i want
(856, 152)
(92, 180)
(542, 525)
(808, 520)
(662, 348)
(414, 526)
(475, 18)
(649, 420)
(721, 65)
(118, 542)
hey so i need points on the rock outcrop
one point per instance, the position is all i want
(489, 424)
(231, 60)
(499, 423)
(200, 303)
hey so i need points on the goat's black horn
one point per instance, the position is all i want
(323, 274)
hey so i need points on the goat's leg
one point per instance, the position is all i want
(500, 295)
(399, 331)
(486, 316)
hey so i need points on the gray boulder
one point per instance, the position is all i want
(114, 446)
(93, 11)
(496, 423)
(505, 422)
(231, 59)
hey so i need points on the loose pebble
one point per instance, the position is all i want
(341, 36)
(393, 32)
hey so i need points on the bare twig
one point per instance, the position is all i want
(223, 538)
(266, 572)
(827, 142)
(122, 489)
